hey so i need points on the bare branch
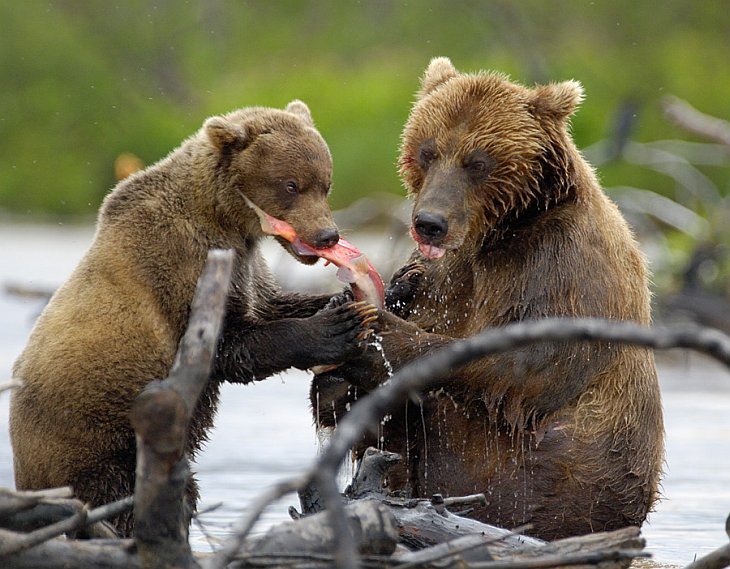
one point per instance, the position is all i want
(52, 554)
(717, 559)
(468, 547)
(370, 521)
(690, 119)
(13, 383)
(160, 417)
(14, 501)
(29, 292)
(194, 358)
(110, 510)
(14, 543)
(461, 501)
(420, 373)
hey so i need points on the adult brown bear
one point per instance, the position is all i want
(512, 225)
(116, 323)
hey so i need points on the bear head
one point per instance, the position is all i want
(279, 161)
(479, 152)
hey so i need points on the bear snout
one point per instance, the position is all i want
(326, 238)
(431, 227)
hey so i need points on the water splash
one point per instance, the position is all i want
(346, 470)
(318, 425)
(425, 446)
(381, 431)
(408, 443)
(377, 343)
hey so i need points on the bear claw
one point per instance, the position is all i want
(368, 314)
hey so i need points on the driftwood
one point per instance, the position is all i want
(373, 529)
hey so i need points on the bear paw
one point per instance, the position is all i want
(342, 331)
(402, 289)
(342, 298)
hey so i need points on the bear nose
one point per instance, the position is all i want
(326, 238)
(431, 226)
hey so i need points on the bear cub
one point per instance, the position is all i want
(115, 324)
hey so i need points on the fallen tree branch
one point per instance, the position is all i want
(592, 558)
(245, 524)
(20, 516)
(345, 553)
(56, 554)
(465, 549)
(160, 417)
(420, 373)
(110, 510)
(368, 521)
(40, 515)
(13, 543)
(15, 501)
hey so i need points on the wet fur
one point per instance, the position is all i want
(567, 437)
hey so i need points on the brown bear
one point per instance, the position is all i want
(512, 226)
(116, 323)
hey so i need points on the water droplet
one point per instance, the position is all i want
(377, 343)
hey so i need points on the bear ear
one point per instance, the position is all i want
(557, 100)
(299, 108)
(225, 134)
(438, 71)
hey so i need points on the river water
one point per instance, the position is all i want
(264, 431)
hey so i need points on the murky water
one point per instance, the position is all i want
(264, 431)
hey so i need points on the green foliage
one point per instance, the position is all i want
(85, 80)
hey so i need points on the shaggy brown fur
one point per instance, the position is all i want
(567, 437)
(116, 323)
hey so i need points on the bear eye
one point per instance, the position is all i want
(292, 187)
(479, 164)
(426, 156)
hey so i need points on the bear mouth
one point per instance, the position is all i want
(299, 253)
(429, 250)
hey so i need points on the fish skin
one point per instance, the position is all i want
(354, 268)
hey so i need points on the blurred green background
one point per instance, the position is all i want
(86, 80)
